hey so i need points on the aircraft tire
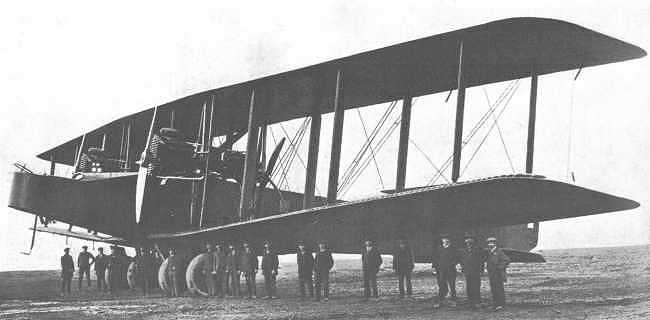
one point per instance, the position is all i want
(162, 277)
(194, 276)
(132, 275)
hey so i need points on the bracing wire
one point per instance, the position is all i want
(503, 141)
(417, 147)
(489, 131)
(506, 92)
(372, 152)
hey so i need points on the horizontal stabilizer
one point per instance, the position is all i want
(523, 256)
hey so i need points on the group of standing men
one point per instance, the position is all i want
(223, 270)
(112, 268)
(472, 260)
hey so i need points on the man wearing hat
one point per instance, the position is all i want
(370, 261)
(305, 262)
(472, 259)
(445, 260)
(84, 261)
(67, 270)
(270, 265)
(403, 264)
(101, 262)
(323, 263)
(497, 262)
(248, 266)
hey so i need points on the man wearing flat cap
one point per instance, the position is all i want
(445, 260)
(67, 271)
(371, 262)
(84, 261)
(497, 262)
(472, 260)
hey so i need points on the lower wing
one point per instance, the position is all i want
(417, 215)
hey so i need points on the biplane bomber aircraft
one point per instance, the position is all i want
(168, 176)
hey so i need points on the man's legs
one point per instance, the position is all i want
(441, 277)
(366, 284)
(318, 285)
(451, 282)
(101, 283)
(497, 290)
(210, 283)
(373, 285)
(88, 275)
(473, 287)
(325, 279)
(310, 286)
(400, 279)
(409, 285)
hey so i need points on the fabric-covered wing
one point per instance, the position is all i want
(417, 215)
(492, 52)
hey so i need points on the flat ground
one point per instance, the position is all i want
(603, 283)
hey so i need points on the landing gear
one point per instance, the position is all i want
(195, 275)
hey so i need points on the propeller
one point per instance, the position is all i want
(141, 184)
(266, 176)
(33, 237)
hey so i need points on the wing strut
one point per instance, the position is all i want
(460, 111)
(250, 166)
(337, 137)
(532, 111)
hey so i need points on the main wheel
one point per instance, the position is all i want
(132, 275)
(163, 282)
(195, 277)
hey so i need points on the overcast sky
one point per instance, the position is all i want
(68, 67)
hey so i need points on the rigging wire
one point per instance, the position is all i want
(489, 131)
(503, 141)
(417, 147)
(293, 144)
(508, 90)
(366, 162)
(354, 164)
(569, 174)
(372, 152)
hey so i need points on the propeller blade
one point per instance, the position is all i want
(141, 183)
(33, 237)
(272, 160)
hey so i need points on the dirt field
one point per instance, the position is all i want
(604, 283)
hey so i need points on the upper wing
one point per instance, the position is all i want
(496, 51)
(417, 215)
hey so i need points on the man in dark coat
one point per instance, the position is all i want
(445, 260)
(67, 271)
(249, 265)
(270, 265)
(174, 273)
(323, 263)
(233, 270)
(101, 262)
(403, 264)
(143, 267)
(472, 259)
(371, 261)
(84, 261)
(305, 262)
(497, 262)
(220, 278)
(210, 269)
